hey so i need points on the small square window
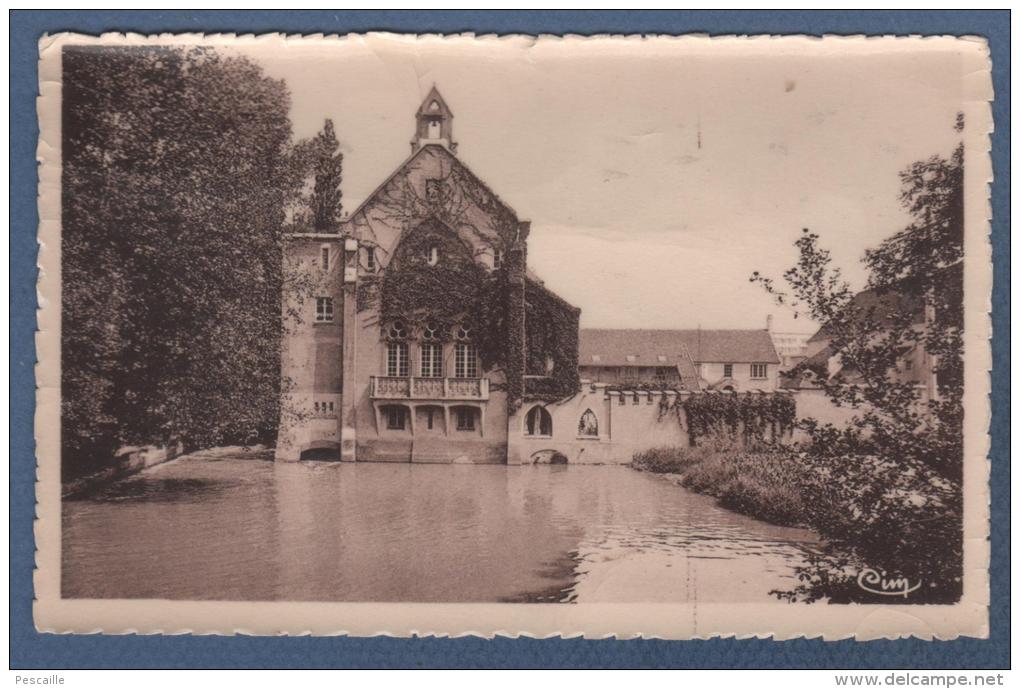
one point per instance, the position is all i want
(370, 264)
(759, 371)
(465, 419)
(395, 418)
(323, 310)
(727, 370)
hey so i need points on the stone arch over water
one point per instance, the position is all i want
(548, 457)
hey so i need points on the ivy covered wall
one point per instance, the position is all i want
(551, 334)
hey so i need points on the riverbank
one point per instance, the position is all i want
(133, 460)
(759, 484)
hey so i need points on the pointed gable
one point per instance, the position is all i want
(434, 105)
(433, 183)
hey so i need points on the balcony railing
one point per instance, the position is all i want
(413, 388)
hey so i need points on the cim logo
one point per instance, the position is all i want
(873, 582)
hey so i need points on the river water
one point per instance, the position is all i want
(225, 527)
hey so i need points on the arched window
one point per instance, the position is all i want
(588, 426)
(538, 422)
(432, 255)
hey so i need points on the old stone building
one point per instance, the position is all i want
(416, 332)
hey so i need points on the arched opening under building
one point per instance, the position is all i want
(548, 457)
(321, 454)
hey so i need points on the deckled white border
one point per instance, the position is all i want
(670, 621)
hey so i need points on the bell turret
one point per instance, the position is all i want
(434, 123)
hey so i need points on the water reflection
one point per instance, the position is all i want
(239, 529)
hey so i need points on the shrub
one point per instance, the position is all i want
(761, 483)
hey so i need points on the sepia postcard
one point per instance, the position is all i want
(615, 336)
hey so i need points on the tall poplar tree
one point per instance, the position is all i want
(326, 203)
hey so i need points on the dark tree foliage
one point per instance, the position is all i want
(176, 174)
(326, 203)
(886, 488)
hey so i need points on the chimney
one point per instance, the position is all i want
(768, 322)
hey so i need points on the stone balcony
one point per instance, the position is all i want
(413, 388)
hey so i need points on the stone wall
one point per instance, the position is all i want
(627, 423)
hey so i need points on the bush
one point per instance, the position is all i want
(760, 482)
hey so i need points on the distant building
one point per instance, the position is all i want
(791, 347)
(822, 361)
(725, 360)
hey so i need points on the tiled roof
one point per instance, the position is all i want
(604, 347)
(883, 307)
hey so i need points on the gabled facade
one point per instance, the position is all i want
(407, 334)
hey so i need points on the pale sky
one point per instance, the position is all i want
(596, 143)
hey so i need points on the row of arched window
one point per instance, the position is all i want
(538, 421)
(431, 360)
(430, 352)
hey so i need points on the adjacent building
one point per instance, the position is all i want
(691, 360)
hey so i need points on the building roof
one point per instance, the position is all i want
(441, 107)
(610, 347)
(883, 306)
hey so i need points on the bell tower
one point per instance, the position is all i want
(434, 123)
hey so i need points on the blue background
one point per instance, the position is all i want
(29, 649)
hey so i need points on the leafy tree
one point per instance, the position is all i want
(886, 488)
(177, 172)
(326, 203)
